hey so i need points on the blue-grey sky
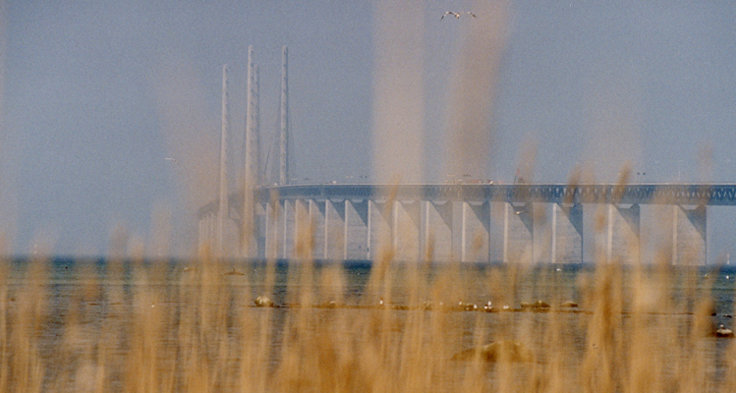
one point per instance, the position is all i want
(96, 94)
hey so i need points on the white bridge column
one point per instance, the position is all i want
(303, 241)
(405, 230)
(334, 229)
(273, 228)
(689, 246)
(518, 233)
(200, 233)
(380, 219)
(357, 234)
(475, 232)
(436, 243)
(316, 214)
(267, 232)
(207, 225)
(287, 221)
(567, 233)
(212, 231)
(259, 230)
(623, 234)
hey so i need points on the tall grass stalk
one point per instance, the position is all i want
(135, 326)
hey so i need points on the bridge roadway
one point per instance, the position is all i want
(429, 216)
(672, 194)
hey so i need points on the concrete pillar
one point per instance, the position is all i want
(475, 232)
(200, 229)
(202, 238)
(251, 165)
(689, 246)
(405, 229)
(267, 228)
(274, 225)
(518, 233)
(303, 234)
(209, 229)
(213, 230)
(567, 233)
(381, 228)
(369, 230)
(345, 229)
(316, 214)
(287, 217)
(223, 211)
(437, 230)
(334, 229)
(623, 234)
(357, 235)
(260, 229)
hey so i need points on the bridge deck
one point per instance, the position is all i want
(674, 194)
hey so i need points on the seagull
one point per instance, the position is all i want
(471, 14)
(455, 14)
(172, 159)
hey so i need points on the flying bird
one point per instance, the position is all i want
(455, 14)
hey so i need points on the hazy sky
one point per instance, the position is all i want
(96, 94)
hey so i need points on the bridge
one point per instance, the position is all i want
(465, 222)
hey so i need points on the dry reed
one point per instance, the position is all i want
(135, 326)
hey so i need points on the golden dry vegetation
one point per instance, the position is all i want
(134, 326)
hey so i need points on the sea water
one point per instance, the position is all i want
(487, 297)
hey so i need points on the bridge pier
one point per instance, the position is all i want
(201, 236)
(518, 233)
(259, 231)
(405, 231)
(380, 230)
(334, 229)
(207, 230)
(475, 231)
(623, 238)
(268, 229)
(316, 214)
(356, 227)
(437, 230)
(303, 240)
(567, 233)
(287, 215)
(689, 235)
